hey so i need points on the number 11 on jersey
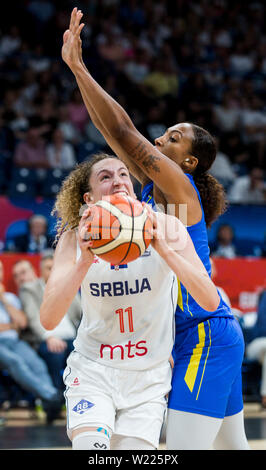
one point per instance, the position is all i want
(120, 312)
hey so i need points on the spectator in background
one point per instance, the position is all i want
(36, 240)
(161, 81)
(222, 169)
(224, 243)
(227, 113)
(20, 360)
(70, 132)
(253, 122)
(60, 153)
(22, 272)
(249, 189)
(237, 151)
(53, 346)
(38, 61)
(78, 113)
(256, 348)
(45, 116)
(137, 67)
(10, 42)
(31, 153)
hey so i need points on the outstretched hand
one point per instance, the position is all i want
(71, 49)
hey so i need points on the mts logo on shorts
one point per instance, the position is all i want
(82, 406)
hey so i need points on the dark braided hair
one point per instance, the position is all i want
(211, 191)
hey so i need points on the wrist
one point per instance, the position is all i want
(165, 250)
(78, 69)
(84, 262)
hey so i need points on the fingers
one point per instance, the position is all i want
(77, 23)
(85, 237)
(77, 34)
(151, 213)
(73, 15)
(75, 18)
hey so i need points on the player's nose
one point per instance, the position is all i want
(158, 141)
(118, 181)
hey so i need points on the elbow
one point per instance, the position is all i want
(212, 303)
(47, 325)
(120, 131)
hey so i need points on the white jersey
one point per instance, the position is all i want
(128, 313)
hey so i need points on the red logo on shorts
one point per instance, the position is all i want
(76, 381)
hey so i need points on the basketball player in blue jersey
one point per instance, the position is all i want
(205, 404)
(119, 374)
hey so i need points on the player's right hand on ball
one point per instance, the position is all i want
(85, 242)
(158, 230)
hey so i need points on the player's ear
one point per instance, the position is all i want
(189, 164)
(88, 198)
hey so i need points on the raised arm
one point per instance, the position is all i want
(117, 127)
(133, 168)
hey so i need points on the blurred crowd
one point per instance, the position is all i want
(32, 359)
(164, 61)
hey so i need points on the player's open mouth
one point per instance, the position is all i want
(121, 192)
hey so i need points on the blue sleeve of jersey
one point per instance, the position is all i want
(147, 192)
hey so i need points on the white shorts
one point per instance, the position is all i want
(128, 403)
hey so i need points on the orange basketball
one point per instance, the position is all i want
(119, 228)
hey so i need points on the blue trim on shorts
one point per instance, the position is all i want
(207, 376)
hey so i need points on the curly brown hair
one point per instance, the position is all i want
(211, 191)
(69, 201)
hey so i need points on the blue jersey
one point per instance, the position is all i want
(188, 312)
(209, 347)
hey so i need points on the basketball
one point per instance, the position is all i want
(119, 229)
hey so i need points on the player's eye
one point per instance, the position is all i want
(172, 139)
(105, 177)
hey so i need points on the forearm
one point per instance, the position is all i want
(7, 326)
(86, 99)
(17, 316)
(60, 293)
(196, 281)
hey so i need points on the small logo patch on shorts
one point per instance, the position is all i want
(82, 406)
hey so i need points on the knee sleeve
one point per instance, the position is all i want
(91, 440)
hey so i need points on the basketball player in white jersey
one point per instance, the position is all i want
(119, 374)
